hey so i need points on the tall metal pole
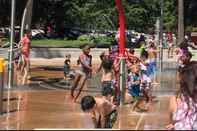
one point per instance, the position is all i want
(180, 21)
(10, 65)
(122, 27)
(161, 37)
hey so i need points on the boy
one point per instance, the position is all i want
(103, 112)
(107, 92)
(134, 86)
(67, 65)
(107, 75)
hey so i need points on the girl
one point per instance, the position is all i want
(183, 106)
(84, 72)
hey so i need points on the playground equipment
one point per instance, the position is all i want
(121, 49)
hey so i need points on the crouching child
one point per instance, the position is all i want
(103, 112)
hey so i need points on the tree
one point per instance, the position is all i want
(180, 21)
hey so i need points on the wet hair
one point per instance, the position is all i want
(87, 103)
(183, 45)
(152, 44)
(188, 82)
(186, 57)
(107, 64)
(131, 50)
(106, 90)
(68, 56)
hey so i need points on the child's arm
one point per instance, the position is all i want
(93, 116)
(100, 67)
(106, 106)
(172, 108)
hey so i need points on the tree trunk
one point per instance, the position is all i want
(180, 21)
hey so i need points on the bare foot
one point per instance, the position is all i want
(75, 100)
(71, 98)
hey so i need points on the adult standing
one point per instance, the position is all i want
(25, 52)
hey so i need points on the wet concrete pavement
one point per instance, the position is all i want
(53, 109)
(45, 102)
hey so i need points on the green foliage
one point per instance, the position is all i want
(102, 39)
(84, 38)
(141, 15)
(170, 17)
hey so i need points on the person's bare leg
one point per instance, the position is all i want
(23, 65)
(168, 52)
(75, 84)
(172, 50)
(26, 71)
(84, 79)
(137, 102)
(24, 79)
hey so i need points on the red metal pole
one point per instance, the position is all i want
(122, 81)
(122, 27)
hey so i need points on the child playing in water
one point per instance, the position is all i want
(145, 78)
(103, 112)
(134, 85)
(107, 75)
(108, 93)
(183, 106)
(67, 66)
(85, 71)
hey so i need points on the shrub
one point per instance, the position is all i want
(84, 38)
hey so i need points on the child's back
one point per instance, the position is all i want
(107, 74)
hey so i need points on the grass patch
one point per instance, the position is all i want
(58, 43)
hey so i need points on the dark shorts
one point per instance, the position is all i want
(111, 119)
(107, 84)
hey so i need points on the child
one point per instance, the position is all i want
(134, 86)
(103, 112)
(67, 65)
(84, 72)
(107, 93)
(145, 78)
(107, 75)
(183, 106)
(131, 58)
(152, 57)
